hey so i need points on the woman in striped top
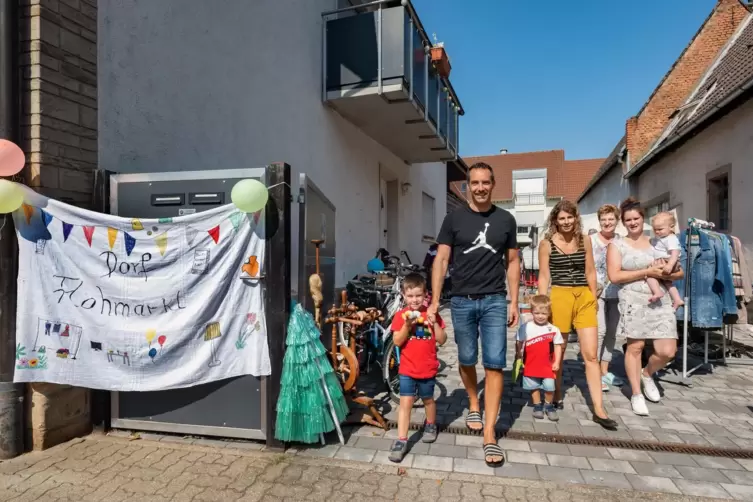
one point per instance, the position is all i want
(566, 263)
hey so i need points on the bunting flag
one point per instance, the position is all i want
(161, 241)
(28, 212)
(89, 233)
(235, 219)
(67, 227)
(46, 218)
(191, 234)
(112, 235)
(165, 220)
(136, 224)
(257, 215)
(215, 234)
(130, 243)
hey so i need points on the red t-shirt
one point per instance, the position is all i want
(538, 348)
(418, 355)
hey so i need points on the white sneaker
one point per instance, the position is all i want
(639, 405)
(649, 389)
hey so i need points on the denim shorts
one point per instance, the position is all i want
(421, 387)
(485, 317)
(545, 384)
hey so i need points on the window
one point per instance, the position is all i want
(428, 217)
(463, 187)
(656, 208)
(524, 229)
(717, 188)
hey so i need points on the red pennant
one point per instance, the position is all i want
(89, 233)
(215, 234)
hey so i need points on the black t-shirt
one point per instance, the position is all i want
(479, 244)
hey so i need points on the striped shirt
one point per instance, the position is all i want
(567, 269)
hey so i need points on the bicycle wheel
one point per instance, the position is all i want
(390, 366)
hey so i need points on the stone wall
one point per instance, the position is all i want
(59, 133)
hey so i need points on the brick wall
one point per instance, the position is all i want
(59, 133)
(59, 121)
(644, 129)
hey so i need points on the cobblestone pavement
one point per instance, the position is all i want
(111, 469)
(716, 411)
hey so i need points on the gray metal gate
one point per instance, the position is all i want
(242, 407)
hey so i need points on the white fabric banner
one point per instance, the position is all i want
(127, 304)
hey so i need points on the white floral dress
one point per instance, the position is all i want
(639, 319)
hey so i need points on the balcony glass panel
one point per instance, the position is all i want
(419, 68)
(452, 134)
(434, 88)
(444, 105)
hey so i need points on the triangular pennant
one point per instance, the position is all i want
(89, 233)
(191, 234)
(215, 234)
(165, 220)
(235, 219)
(257, 215)
(130, 243)
(46, 217)
(136, 224)
(112, 234)
(28, 212)
(67, 227)
(161, 241)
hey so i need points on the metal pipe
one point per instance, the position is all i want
(11, 395)
(324, 59)
(379, 51)
(411, 56)
(328, 13)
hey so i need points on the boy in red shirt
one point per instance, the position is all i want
(418, 341)
(539, 345)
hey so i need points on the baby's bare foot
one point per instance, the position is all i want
(654, 298)
(677, 304)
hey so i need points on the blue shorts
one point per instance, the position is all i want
(485, 317)
(421, 387)
(545, 384)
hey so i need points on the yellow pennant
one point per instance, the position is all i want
(161, 241)
(28, 212)
(136, 224)
(112, 234)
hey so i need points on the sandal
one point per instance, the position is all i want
(474, 417)
(493, 450)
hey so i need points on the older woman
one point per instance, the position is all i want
(609, 314)
(630, 261)
(566, 261)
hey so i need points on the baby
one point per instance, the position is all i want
(667, 253)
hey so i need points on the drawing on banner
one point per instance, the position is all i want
(119, 356)
(200, 261)
(252, 326)
(324, 231)
(250, 269)
(211, 334)
(118, 286)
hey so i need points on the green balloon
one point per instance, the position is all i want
(249, 195)
(11, 197)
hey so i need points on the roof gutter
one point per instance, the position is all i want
(645, 161)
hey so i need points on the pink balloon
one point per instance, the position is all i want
(12, 158)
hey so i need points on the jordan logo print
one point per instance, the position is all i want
(480, 242)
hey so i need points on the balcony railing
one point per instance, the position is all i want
(383, 51)
(530, 199)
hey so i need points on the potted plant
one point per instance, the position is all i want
(440, 60)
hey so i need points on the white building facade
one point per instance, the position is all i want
(201, 85)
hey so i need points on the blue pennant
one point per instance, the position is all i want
(67, 227)
(130, 243)
(46, 217)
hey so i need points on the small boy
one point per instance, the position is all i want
(539, 345)
(667, 253)
(418, 341)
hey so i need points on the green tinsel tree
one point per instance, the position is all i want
(303, 411)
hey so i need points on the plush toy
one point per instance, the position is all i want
(411, 314)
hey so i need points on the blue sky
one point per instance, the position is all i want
(535, 75)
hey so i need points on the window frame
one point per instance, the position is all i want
(724, 172)
(433, 236)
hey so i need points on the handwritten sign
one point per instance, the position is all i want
(134, 304)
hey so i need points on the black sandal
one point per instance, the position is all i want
(493, 450)
(474, 417)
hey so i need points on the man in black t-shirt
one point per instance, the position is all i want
(482, 240)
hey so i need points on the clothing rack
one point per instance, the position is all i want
(693, 224)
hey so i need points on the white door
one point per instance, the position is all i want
(383, 234)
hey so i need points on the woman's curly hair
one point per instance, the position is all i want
(570, 208)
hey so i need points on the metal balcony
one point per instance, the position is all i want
(377, 73)
(530, 199)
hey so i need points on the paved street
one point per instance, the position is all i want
(112, 469)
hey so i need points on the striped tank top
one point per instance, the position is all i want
(567, 269)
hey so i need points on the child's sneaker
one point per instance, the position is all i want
(430, 433)
(398, 451)
(551, 413)
(538, 411)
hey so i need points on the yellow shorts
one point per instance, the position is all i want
(573, 307)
